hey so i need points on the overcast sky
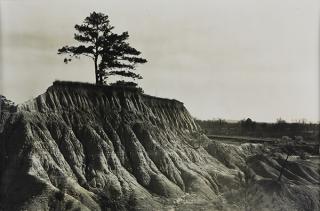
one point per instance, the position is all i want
(227, 59)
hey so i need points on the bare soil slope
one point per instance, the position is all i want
(81, 147)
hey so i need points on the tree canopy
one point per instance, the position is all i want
(110, 52)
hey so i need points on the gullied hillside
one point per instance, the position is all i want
(82, 147)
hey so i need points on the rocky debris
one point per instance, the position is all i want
(100, 148)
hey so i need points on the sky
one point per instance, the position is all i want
(225, 59)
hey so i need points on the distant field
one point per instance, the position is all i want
(248, 130)
(312, 148)
(243, 139)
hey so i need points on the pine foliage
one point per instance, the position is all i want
(111, 53)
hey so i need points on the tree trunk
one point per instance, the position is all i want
(283, 167)
(96, 70)
(101, 78)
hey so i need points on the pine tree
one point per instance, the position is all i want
(110, 52)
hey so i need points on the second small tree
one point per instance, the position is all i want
(110, 52)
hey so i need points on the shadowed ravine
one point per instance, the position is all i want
(80, 147)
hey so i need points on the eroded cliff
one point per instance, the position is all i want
(102, 146)
(96, 148)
